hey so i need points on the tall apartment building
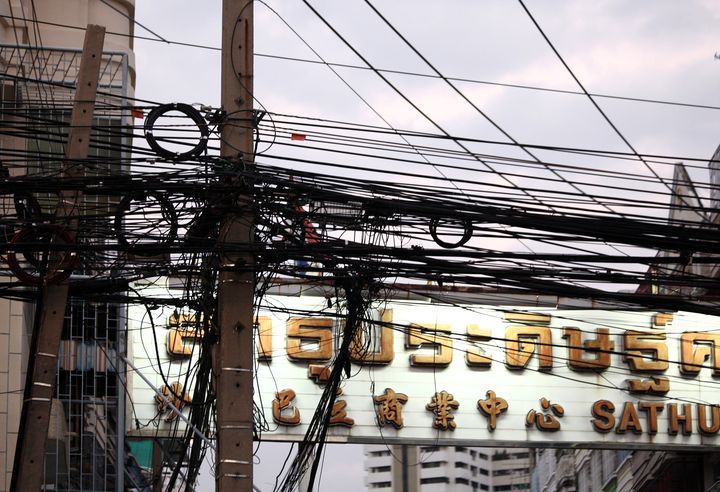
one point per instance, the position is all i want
(39, 62)
(452, 468)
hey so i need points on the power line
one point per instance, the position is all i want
(160, 39)
(590, 97)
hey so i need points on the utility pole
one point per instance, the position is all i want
(29, 462)
(233, 358)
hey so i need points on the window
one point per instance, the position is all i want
(463, 481)
(473, 453)
(501, 473)
(499, 488)
(379, 469)
(484, 487)
(500, 456)
(381, 485)
(461, 464)
(460, 449)
(435, 480)
(433, 464)
(482, 456)
(380, 453)
(483, 471)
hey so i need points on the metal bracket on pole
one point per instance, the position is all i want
(50, 312)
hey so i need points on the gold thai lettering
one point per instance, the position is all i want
(475, 356)
(320, 373)
(653, 386)
(430, 336)
(645, 351)
(264, 338)
(662, 319)
(600, 348)
(698, 347)
(182, 319)
(176, 338)
(182, 327)
(521, 341)
(309, 339)
(361, 348)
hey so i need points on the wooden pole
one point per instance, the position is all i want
(50, 312)
(233, 361)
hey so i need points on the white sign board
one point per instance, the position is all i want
(487, 375)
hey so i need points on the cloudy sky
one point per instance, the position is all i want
(652, 49)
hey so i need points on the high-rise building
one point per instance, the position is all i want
(40, 48)
(451, 468)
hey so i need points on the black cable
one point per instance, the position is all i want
(592, 100)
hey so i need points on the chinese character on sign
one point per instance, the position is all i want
(545, 420)
(492, 407)
(442, 404)
(177, 396)
(389, 408)
(281, 406)
(338, 415)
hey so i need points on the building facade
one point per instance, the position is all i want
(449, 468)
(40, 46)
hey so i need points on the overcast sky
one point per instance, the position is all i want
(657, 49)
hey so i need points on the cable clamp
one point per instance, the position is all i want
(235, 462)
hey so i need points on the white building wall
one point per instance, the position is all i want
(455, 468)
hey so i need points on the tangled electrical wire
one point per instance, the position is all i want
(157, 212)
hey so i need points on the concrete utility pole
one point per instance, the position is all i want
(234, 352)
(29, 462)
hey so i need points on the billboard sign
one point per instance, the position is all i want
(426, 373)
